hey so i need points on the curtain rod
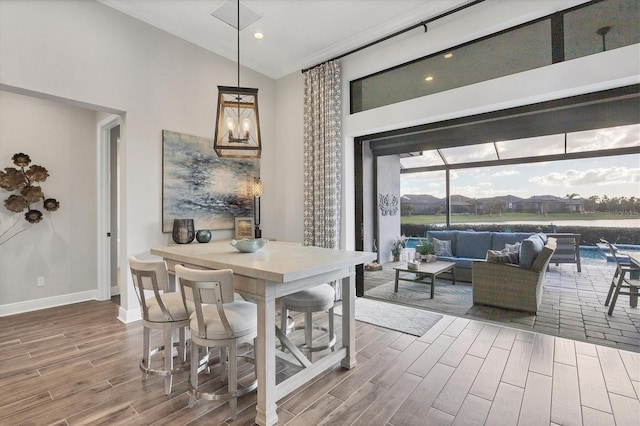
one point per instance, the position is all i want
(397, 33)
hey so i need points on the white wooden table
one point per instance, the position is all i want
(276, 270)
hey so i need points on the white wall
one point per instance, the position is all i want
(88, 53)
(62, 247)
(283, 182)
(388, 183)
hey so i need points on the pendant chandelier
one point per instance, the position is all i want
(237, 133)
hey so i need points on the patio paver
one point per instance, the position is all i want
(572, 306)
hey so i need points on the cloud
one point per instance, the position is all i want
(506, 173)
(590, 177)
(609, 138)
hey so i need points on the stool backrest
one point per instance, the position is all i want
(207, 287)
(150, 275)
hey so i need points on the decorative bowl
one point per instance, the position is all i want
(248, 245)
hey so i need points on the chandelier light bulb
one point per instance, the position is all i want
(230, 126)
(246, 126)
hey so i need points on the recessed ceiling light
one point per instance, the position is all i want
(428, 78)
(258, 36)
(448, 55)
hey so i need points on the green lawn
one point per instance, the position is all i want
(510, 217)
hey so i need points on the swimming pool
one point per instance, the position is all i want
(604, 252)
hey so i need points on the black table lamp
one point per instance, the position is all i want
(256, 190)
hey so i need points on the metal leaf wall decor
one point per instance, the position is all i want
(388, 204)
(24, 184)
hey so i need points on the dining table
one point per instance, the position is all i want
(276, 270)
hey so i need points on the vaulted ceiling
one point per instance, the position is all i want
(297, 33)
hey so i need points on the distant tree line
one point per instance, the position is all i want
(613, 205)
(595, 203)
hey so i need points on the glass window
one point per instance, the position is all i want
(610, 138)
(481, 60)
(531, 147)
(422, 192)
(470, 153)
(587, 29)
(601, 26)
(425, 159)
(589, 140)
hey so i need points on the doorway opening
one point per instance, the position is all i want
(109, 267)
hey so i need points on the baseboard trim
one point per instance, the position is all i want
(47, 302)
(127, 316)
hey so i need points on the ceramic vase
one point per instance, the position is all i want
(183, 231)
(203, 236)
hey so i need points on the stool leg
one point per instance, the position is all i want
(183, 344)
(223, 363)
(207, 358)
(168, 357)
(146, 356)
(331, 332)
(232, 378)
(308, 332)
(195, 362)
(283, 317)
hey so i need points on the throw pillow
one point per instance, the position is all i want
(502, 256)
(492, 255)
(512, 248)
(529, 250)
(442, 247)
(542, 236)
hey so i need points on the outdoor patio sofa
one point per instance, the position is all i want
(511, 286)
(469, 246)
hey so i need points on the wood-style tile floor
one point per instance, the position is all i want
(78, 364)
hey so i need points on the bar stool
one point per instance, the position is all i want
(218, 321)
(316, 299)
(620, 281)
(164, 311)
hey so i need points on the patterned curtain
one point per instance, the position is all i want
(322, 155)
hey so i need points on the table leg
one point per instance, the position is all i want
(395, 289)
(433, 285)
(349, 319)
(453, 276)
(266, 362)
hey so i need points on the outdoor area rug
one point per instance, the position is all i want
(395, 317)
(449, 299)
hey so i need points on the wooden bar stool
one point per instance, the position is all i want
(317, 299)
(163, 311)
(218, 321)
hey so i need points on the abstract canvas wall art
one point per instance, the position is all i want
(197, 184)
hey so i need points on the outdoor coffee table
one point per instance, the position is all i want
(426, 271)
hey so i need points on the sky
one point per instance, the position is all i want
(611, 176)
